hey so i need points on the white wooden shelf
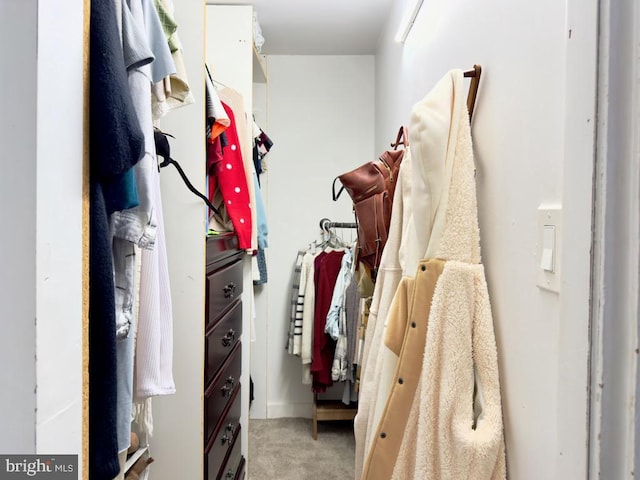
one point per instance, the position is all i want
(259, 67)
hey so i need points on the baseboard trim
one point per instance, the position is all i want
(290, 410)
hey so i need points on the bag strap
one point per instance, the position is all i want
(392, 157)
(402, 138)
(333, 190)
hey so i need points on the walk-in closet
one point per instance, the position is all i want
(374, 239)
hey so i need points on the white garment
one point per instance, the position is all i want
(179, 91)
(443, 438)
(389, 274)
(154, 346)
(218, 112)
(332, 325)
(297, 306)
(308, 310)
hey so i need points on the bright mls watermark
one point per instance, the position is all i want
(50, 467)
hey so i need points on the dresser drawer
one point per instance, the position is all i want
(235, 462)
(224, 436)
(220, 249)
(224, 286)
(221, 340)
(220, 392)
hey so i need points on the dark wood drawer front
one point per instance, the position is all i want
(221, 340)
(220, 248)
(223, 288)
(224, 435)
(232, 466)
(221, 390)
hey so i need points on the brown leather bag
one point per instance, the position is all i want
(371, 187)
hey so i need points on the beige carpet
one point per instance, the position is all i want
(283, 449)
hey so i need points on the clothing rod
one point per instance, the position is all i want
(326, 224)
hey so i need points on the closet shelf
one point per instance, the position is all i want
(327, 410)
(259, 67)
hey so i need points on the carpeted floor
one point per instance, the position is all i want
(283, 449)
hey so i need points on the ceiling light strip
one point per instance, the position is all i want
(408, 20)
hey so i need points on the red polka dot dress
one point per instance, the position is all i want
(226, 172)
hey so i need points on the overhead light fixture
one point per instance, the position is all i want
(407, 21)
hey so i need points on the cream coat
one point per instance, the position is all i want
(389, 274)
(422, 420)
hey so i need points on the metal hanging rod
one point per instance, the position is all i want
(326, 224)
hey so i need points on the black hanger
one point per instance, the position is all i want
(163, 149)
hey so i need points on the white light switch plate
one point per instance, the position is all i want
(549, 216)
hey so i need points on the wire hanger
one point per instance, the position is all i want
(331, 239)
(213, 80)
(474, 74)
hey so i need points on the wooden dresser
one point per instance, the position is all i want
(223, 397)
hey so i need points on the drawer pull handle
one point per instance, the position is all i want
(228, 338)
(230, 475)
(229, 290)
(227, 388)
(225, 439)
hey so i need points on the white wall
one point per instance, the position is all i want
(259, 348)
(525, 151)
(59, 220)
(41, 246)
(178, 419)
(18, 24)
(321, 120)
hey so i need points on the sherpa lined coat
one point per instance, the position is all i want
(433, 410)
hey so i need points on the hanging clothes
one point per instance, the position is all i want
(217, 120)
(326, 269)
(261, 146)
(298, 285)
(332, 322)
(308, 310)
(261, 226)
(227, 173)
(116, 144)
(154, 344)
(235, 101)
(442, 417)
(352, 320)
(173, 91)
(390, 272)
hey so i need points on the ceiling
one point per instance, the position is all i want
(319, 27)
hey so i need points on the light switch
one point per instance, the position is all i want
(548, 248)
(549, 244)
